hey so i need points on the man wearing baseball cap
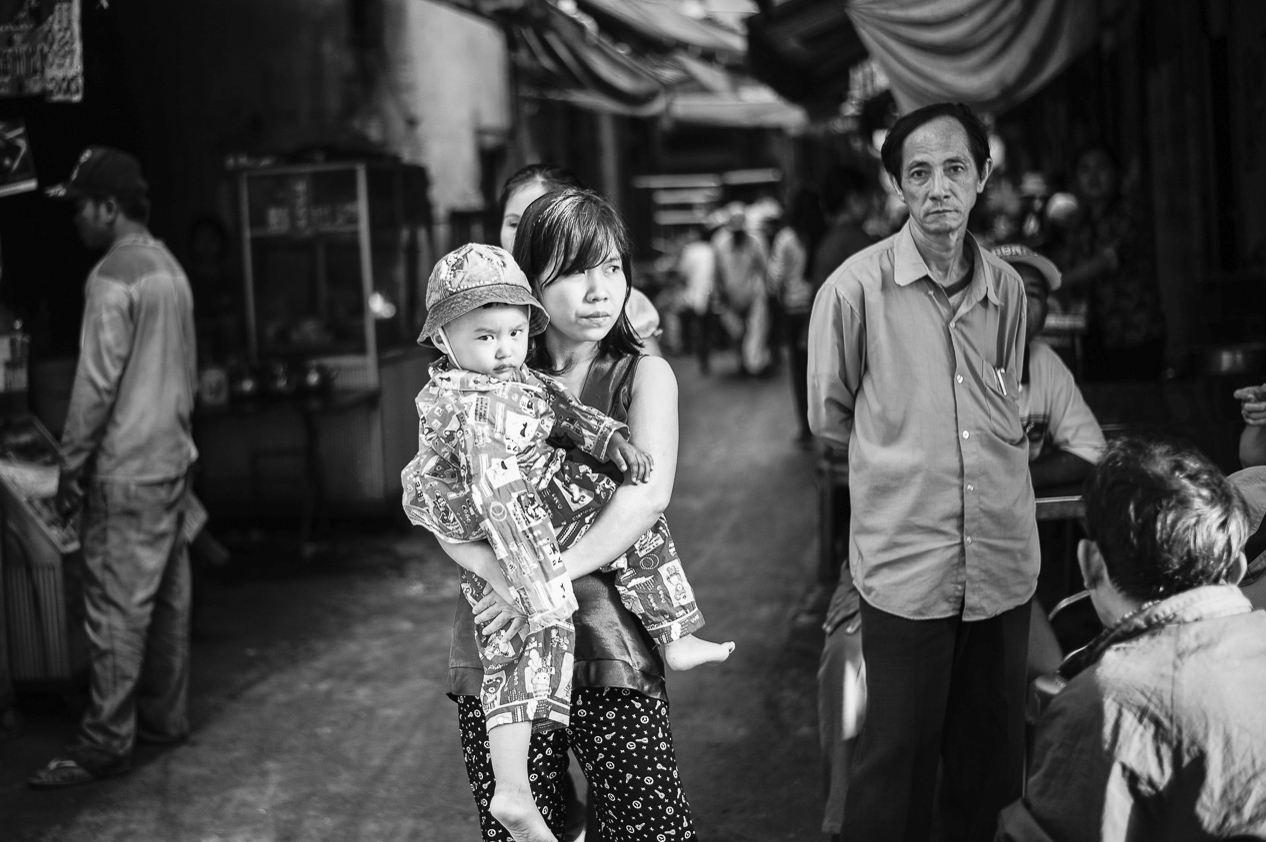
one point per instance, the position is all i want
(126, 452)
(1064, 438)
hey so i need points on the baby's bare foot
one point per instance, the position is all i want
(689, 652)
(517, 812)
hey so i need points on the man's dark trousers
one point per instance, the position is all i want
(943, 690)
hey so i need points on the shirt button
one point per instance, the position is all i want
(966, 434)
(971, 487)
(969, 539)
(959, 378)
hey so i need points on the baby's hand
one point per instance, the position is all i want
(636, 464)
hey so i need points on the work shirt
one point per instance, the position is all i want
(483, 456)
(130, 406)
(787, 263)
(1159, 734)
(1053, 412)
(924, 399)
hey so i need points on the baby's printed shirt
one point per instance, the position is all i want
(470, 424)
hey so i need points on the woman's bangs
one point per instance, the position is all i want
(587, 237)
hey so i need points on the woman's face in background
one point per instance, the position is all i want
(515, 206)
(585, 306)
(1096, 176)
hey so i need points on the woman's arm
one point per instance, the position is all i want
(635, 508)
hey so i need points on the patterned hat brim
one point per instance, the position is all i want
(464, 301)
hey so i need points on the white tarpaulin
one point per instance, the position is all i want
(989, 53)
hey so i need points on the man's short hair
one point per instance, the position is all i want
(894, 142)
(840, 183)
(1166, 520)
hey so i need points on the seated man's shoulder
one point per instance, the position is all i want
(1205, 670)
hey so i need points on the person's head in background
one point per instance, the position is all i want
(1097, 175)
(523, 188)
(1040, 276)
(845, 195)
(575, 250)
(1161, 519)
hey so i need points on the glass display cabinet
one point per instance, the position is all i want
(335, 256)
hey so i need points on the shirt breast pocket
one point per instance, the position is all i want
(1002, 390)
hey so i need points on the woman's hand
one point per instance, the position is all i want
(493, 613)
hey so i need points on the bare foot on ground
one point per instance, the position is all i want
(517, 812)
(689, 652)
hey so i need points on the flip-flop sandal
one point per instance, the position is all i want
(63, 771)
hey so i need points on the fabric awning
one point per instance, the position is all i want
(750, 108)
(992, 54)
(663, 23)
(558, 53)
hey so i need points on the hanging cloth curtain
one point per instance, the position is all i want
(991, 54)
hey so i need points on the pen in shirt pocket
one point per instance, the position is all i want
(998, 372)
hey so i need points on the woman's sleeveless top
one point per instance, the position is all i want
(612, 648)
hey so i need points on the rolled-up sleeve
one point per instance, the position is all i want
(837, 343)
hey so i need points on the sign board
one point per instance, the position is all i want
(41, 49)
(17, 169)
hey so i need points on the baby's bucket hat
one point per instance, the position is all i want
(471, 276)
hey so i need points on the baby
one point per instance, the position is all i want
(485, 471)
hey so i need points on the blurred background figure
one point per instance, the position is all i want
(791, 294)
(696, 271)
(742, 261)
(1108, 255)
(846, 201)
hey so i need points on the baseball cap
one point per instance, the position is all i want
(471, 276)
(102, 171)
(1017, 253)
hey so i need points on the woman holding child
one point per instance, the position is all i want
(574, 249)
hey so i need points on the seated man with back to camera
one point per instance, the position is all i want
(1065, 442)
(1158, 733)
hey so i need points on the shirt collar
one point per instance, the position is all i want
(1202, 603)
(445, 376)
(908, 266)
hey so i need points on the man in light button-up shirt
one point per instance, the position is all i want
(914, 364)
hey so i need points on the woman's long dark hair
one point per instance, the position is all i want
(570, 231)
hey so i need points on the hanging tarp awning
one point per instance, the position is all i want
(992, 54)
(564, 58)
(663, 23)
(751, 108)
(41, 50)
